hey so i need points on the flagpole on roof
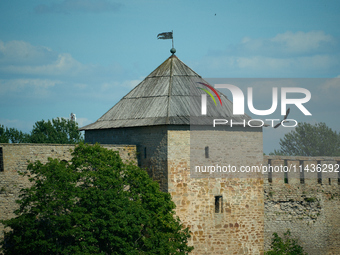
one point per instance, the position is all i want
(168, 35)
(172, 32)
(173, 50)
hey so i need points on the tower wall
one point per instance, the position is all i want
(238, 227)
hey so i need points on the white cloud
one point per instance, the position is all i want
(300, 42)
(290, 43)
(20, 52)
(36, 87)
(315, 62)
(39, 73)
(63, 65)
(19, 57)
(288, 54)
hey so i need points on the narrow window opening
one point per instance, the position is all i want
(319, 173)
(337, 167)
(270, 172)
(140, 155)
(206, 151)
(1, 160)
(218, 204)
(285, 173)
(329, 181)
(302, 172)
(144, 152)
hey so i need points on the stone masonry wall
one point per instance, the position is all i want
(238, 226)
(15, 159)
(309, 206)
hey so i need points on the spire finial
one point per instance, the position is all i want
(173, 51)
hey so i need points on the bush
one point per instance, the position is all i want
(285, 246)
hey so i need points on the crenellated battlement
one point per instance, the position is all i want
(306, 202)
(303, 170)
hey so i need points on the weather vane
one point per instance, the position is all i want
(168, 35)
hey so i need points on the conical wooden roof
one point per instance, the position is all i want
(168, 96)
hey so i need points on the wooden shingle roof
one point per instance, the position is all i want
(168, 96)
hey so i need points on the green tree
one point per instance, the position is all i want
(94, 204)
(12, 135)
(17, 136)
(59, 130)
(285, 246)
(3, 135)
(310, 140)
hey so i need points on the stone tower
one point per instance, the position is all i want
(225, 214)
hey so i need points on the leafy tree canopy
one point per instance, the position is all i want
(3, 135)
(310, 140)
(285, 246)
(94, 204)
(13, 135)
(59, 130)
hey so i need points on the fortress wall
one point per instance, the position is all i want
(309, 206)
(14, 159)
(252, 209)
(237, 226)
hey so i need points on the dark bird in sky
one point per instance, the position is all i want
(284, 118)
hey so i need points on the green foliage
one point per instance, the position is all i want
(310, 199)
(310, 140)
(285, 245)
(94, 204)
(13, 135)
(58, 130)
(3, 135)
(16, 136)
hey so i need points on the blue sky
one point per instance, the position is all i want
(83, 56)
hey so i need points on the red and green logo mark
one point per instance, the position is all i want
(209, 93)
